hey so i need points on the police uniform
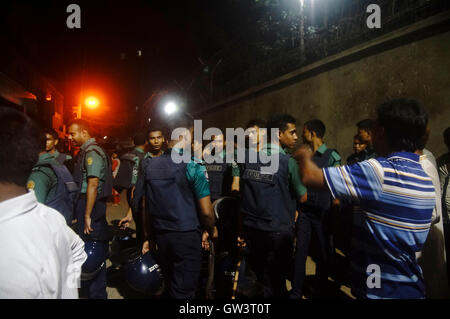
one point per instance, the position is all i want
(137, 180)
(61, 157)
(313, 219)
(220, 176)
(269, 204)
(42, 179)
(94, 162)
(172, 191)
(53, 185)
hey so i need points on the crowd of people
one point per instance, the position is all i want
(386, 209)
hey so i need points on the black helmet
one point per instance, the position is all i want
(96, 255)
(144, 274)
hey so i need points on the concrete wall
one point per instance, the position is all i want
(349, 92)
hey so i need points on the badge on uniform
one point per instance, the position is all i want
(30, 185)
(89, 161)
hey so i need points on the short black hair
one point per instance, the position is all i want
(139, 139)
(20, 144)
(280, 121)
(404, 121)
(366, 125)
(52, 132)
(82, 124)
(256, 122)
(317, 127)
(447, 137)
(161, 129)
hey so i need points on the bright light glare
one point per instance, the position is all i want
(170, 108)
(105, 137)
(92, 102)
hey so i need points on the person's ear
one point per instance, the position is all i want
(56, 142)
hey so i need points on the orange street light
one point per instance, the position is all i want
(92, 102)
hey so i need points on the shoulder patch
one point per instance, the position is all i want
(89, 160)
(30, 185)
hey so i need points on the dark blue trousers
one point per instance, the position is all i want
(95, 288)
(98, 220)
(136, 211)
(180, 257)
(269, 256)
(309, 225)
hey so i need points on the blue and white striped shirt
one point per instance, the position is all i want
(395, 199)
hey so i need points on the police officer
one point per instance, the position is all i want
(51, 147)
(269, 198)
(359, 151)
(256, 134)
(313, 215)
(364, 130)
(223, 176)
(173, 190)
(52, 183)
(93, 174)
(155, 141)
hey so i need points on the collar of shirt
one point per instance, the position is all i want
(140, 150)
(55, 155)
(17, 206)
(150, 155)
(322, 148)
(404, 155)
(85, 144)
(46, 157)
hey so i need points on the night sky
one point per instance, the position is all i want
(102, 56)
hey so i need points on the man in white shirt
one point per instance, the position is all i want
(432, 258)
(41, 257)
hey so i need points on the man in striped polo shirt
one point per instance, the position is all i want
(395, 200)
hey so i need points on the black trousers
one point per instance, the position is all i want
(269, 256)
(98, 220)
(307, 226)
(180, 257)
(95, 288)
(136, 212)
